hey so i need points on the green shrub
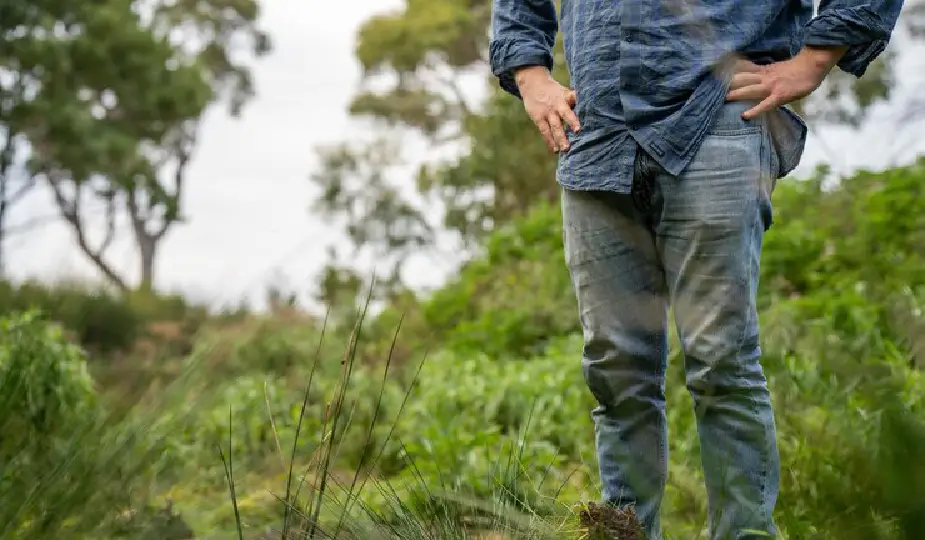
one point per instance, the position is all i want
(67, 468)
(98, 319)
(511, 300)
(45, 388)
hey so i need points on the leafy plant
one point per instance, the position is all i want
(68, 468)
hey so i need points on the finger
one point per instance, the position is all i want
(558, 133)
(543, 125)
(571, 98)
(743, 79)
(768, 104)
(567, 114)
(748, 93)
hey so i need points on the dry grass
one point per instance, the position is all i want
(606, 522)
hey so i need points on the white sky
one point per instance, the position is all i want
(248, 191)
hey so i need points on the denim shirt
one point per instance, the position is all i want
(651, 74)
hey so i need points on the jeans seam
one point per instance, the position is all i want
(660, 373)
(757, 228)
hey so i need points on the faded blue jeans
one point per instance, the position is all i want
(692, 243)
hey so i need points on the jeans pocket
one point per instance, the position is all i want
(787, 133)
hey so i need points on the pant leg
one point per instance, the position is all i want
(622, 299)
(709, 236)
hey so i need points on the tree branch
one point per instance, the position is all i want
(21, 192)
(70, 211)
(134, 212)
(453, 85)
(449, 80)
(184, 154)
(110, 224)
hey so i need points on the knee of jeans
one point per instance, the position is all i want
(732, 368)
(620, 379)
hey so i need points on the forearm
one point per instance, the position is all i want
(854, 32)
(523, 35)
(823, 58)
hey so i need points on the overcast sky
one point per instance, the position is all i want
(248, 192)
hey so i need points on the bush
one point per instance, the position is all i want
(512, 300)
(98, 319)
(45, 391)
(67, 469)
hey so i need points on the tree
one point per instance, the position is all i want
(426, 101)
(116, 91)
(373, 213)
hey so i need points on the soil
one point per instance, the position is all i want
(607, 522)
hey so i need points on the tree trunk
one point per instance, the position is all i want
(3, 208)
(147, 251)
(6, 159)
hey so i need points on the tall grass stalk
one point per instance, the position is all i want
(415, 510)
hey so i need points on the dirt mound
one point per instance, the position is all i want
(606, 522)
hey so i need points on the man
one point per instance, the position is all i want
(670, 142)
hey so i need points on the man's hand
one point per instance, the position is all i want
(781, 83)
(549, 105)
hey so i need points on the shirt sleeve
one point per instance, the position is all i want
(865, 26)
(523, 34)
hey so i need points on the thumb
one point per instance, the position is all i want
(571, 98)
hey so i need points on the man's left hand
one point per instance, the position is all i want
(780, 83)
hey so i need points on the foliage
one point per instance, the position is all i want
(527, 409)
(515, 298)
(861, 241)
(69, 469)
(49, 376)
(99, 320)
(868, 228)
(510, 300)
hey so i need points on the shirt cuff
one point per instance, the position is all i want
(857, 28)
(507, 56)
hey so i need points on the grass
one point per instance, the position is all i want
(318, 503)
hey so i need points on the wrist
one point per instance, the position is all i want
(524, 75)
(822, 59)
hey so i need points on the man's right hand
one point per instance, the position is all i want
(549, 105)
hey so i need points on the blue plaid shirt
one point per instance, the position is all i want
(649, 72)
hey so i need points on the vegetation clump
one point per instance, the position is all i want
(608, 522)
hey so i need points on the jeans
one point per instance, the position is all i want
(691, 243)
